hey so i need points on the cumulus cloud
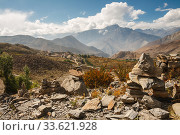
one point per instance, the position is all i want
(17, 22)
(164, 8)
(169, 20)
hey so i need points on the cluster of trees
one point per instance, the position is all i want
(12, 83)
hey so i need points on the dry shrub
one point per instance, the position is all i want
(95, 94)
(123, 71)
(95, 78)
(119, 92)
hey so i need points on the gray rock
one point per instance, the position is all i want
(146, 115)
(135, 93)
(92, 105)
(127, 100)
(136, 106)
(114, 116)
(44, 109)
(176, 109)
(131, 114)
(159, 113)
(106, 100)
(73, 85)
(59, 97)
(154, 83)
(76, 114)
(151, 102)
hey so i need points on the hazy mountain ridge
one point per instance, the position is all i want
(65, 44)
(168, 45)
(159, 32)
(114, 38)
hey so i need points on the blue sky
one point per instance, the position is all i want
(58, 16)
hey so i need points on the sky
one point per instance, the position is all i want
(51, 17)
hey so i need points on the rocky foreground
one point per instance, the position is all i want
(147, 96)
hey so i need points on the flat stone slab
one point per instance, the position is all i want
(159, 113)
(92, 105)
(176, 109)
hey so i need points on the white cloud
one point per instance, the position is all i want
(83, 12)
(164, 8)
(165, 5)
(43, 18)
(171, 19)
(16, 22)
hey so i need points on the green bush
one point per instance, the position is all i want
(6, 67)
(26, 77)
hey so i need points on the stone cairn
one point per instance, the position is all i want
(167, 63)
(144, 77)
(49, 87)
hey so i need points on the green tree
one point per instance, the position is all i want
(6, 67)
(27, 78)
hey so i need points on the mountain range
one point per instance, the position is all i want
(160, 32)
(168, 45)
(65, 44)
(114, 38)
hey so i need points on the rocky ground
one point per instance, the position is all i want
(144, 97)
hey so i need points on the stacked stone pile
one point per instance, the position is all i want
(144, 76)
(50, 87)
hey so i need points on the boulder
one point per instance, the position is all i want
(127, 99)
(76, 114)
(176, 109)
(2, 87)
(106, 100)
(159, 113)
(59, 97)
(150, 102)
(146, 115)
(74, 85)
(92, 105)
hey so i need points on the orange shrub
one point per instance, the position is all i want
(123, 71)
(95, 78)
(119, 92)
(95, 94)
